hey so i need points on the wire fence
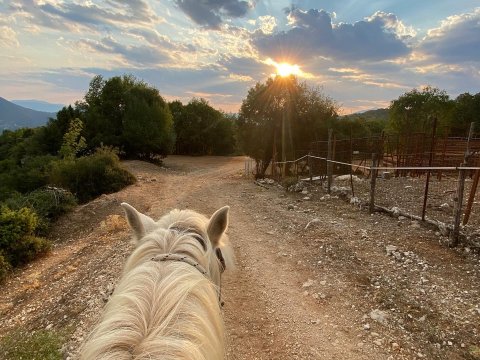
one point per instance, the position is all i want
(445, 201)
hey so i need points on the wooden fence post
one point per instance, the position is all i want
(430, 161)
(473, 190)
(329, 164)
(351, 163)
(310, 162)
(373, 181)
(457, 211)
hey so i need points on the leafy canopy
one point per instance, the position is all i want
(283, 116)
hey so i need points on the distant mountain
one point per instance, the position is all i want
(14, 116)
(39, 105)
(377, 114)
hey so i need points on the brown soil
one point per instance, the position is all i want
(326, 291)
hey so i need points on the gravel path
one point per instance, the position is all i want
(347, 286)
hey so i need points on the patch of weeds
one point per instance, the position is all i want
(289, 181)
(474, 352)
(40, 345)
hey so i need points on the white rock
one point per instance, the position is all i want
(315, 221)
(379, 316)
(390, 249)
(308, 283)
(395, 210)
(355, 201)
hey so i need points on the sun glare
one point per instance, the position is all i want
(284, 69)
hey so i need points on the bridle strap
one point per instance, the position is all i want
(196, 265)
(182, 258)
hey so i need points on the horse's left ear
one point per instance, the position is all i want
(141, 224)
(217, 225)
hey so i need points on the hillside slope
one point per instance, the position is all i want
(14, 116)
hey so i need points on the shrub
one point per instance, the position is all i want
(289, 181)
(5, 267)
(90, 176)
(43, 344)
(48, 203)
(18, 243)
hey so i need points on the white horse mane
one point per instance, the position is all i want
(166, 309)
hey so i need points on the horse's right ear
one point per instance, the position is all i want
(217, 225)
(141, 224)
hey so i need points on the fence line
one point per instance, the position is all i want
(454, 229)
(425, 168)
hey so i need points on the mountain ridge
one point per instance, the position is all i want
(13, 116)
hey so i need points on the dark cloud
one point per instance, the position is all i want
(456, 41)
(313, 35)
(134, 55)
(243, 66)
(65, 16)
(209, 13)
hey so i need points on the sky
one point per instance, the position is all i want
(362, 54)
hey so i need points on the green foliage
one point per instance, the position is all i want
(25, 176)
(201, 129)
(48, 203)
(43, 344)
(127, 113)
(5, 268)
(413, 111)
(90, 176)
(284, 114)
(73, 141)
(466, 110)
(148, 123)
(49, 138)
(18, 244)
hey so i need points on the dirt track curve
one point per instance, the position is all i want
(328, 291)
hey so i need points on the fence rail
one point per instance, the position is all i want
(394, 156)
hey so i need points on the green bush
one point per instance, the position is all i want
(48, 203)
(43, 344)
(90, 176)
(18, 243)
(5, 267)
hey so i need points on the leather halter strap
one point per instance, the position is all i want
(182, 258)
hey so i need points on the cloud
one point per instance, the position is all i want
(72, 15)
(156, 39)
(132, 55)
(210, 13)
(246, 66)
(457, 40)
(8, 37)
(379, 37)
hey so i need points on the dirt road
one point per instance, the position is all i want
(329, 290)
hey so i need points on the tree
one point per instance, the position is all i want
(282, 116)
(201, 129)
(466, 110)
(73, 141)
(126, 113)
(413, 111)
(148, 123)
